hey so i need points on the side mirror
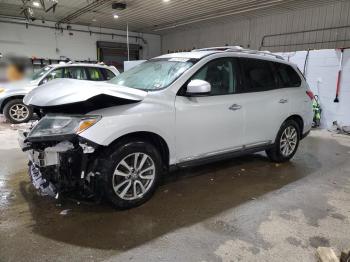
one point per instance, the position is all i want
(198, 87)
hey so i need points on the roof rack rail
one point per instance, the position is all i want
(219, 48)
(239, 49)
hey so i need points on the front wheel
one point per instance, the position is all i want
(132, 174)
(286, 143)
(17, 112)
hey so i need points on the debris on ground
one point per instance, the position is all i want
(336, 128)
(23, 126)
(242, 169)
(326, 254)
(65, 212)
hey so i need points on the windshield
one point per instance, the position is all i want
(40, 73)
(154, 74)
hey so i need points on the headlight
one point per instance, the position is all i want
(63, 125)
(2, 90)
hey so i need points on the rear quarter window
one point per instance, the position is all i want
(95, 74)
(108, 74)
(288, 77)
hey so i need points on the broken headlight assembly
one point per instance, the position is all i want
(54, 125)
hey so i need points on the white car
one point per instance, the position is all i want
(11, 94)
(118, 139)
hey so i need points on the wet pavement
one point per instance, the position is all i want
(246, 209)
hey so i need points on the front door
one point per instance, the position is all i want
(211, 124)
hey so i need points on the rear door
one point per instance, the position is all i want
(210, 124)
(264, 103)
(300, 103)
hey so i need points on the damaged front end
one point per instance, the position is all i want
(60, 161)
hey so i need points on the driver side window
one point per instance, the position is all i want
(54, 74)
(221, 74)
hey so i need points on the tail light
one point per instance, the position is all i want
(310, 94)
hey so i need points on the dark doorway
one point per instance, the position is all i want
(115, 54)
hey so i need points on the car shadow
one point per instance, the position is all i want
(187, 196)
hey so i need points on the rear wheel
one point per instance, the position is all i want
(132, 174)
(17, 112)
(286, 143)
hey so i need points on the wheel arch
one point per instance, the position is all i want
(6, 100)
(147, 136)
(299, 120)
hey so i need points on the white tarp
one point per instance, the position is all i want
(321, 74)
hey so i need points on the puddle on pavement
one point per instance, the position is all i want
(186, 197)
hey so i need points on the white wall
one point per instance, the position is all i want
(249, 32)
(321, 74)
(42, 42)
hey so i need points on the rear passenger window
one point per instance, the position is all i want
(258, 75)
(221, 74)
(75, 72)
(287, 75)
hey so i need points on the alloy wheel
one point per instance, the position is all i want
(19, 112)
(288, 141)
(134, 175)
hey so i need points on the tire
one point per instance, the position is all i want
(115, 183)
(16, 112)
(290, 133)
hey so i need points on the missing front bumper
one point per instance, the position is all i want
(61, 167)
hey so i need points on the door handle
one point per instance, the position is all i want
(235, 107)
(283, 101)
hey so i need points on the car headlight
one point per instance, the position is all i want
(63, 125)
(2, 90)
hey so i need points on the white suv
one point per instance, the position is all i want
(175, 110)
(11, 94)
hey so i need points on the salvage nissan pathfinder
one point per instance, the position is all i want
(119, 138)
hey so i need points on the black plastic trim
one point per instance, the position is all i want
(57, 138)
(218, 157)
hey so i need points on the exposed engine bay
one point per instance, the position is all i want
(62, 165)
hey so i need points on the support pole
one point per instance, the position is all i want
(127, 40)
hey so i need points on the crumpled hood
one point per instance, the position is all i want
(67, 91)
